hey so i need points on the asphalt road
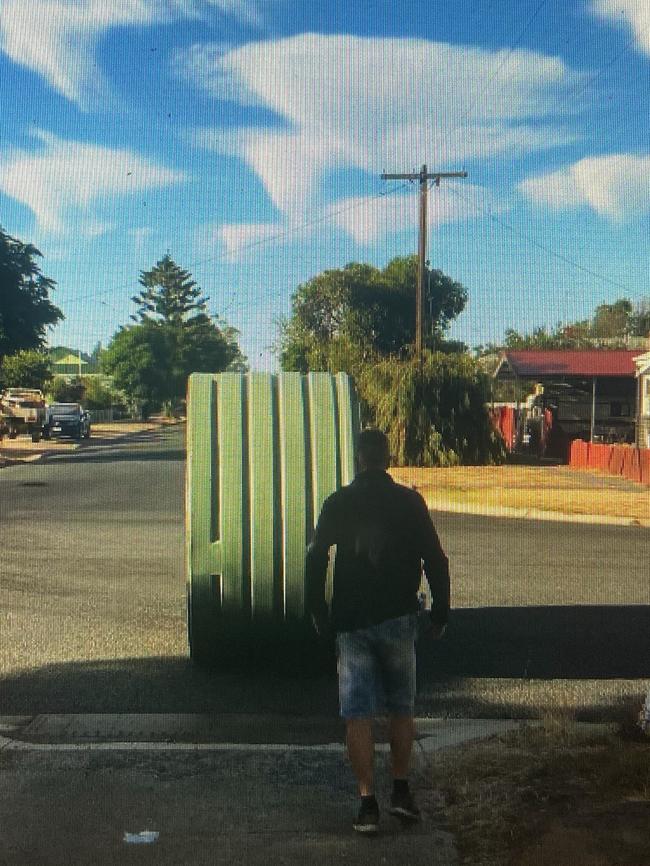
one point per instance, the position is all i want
(92, 604)
(254, 808)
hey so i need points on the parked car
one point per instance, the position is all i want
(67, 419)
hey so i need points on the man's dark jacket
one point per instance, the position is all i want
(383, 533)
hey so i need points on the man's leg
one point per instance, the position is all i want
(361, 753)
(402, 731)
(398, 673)
(357, 680)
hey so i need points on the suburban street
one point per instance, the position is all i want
(92, 600)
(547, 617)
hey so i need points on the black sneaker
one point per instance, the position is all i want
(368, 818)
(403, 806)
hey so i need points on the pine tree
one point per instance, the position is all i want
(169, 295)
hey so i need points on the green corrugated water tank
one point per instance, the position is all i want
(263, 453)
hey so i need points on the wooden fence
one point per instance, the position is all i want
(626, 461)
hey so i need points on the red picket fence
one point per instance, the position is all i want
(632, 465)
(616, 463)
(644, 460)
(504, 420)
(628, 461)
(579, 454)
(599, 456)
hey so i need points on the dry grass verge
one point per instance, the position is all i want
(555, 793)
(544, 488)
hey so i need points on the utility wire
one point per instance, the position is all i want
(501, 65)
(290, 230)
(539, 245)
(574, 94)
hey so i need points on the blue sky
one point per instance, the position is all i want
(247, 139)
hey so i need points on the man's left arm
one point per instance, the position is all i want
(436, 566)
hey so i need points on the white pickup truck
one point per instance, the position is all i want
(22, 410)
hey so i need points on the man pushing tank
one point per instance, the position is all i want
(383, 533)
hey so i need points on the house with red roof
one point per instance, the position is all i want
(589, 394)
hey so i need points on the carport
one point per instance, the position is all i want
(592, 393)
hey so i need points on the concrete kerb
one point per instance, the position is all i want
(173, 733)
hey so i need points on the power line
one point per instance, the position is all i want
(323, 217)
(540, 245)
(503, 63)
(574, 94)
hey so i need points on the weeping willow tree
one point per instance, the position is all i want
(433, 411)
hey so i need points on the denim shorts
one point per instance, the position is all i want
(376, 668)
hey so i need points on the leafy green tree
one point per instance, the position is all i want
(138, 358)
(97, 394)
(93, 358)
(444, 298)
(28, 368)
(640, 319)
(65, 390)
(539, 338)
(610, 326)
(433, 412)
(347, 317)
(25, 307)
(612, 320)
(174, 336)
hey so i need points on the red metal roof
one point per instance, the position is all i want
(532, 363)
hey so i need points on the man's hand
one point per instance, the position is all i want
(437, 629)
(323, 628)
(430, 628)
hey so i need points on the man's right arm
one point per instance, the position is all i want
(316, 569)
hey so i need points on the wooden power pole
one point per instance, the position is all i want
(423, 176)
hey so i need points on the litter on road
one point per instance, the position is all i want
(144, 837)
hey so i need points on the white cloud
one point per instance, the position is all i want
(375, 104)
(69, 175)
(615, 186)
(633, 13)
(93, 228)
(57, 38)
(369, 218)
(235, 238)
(365, 219)
(141, 237)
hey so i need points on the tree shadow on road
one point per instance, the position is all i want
(100, 449)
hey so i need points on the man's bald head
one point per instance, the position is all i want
(373, 450)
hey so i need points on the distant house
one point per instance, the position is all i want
(69, 365)
(591, 394)
(643, 405)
